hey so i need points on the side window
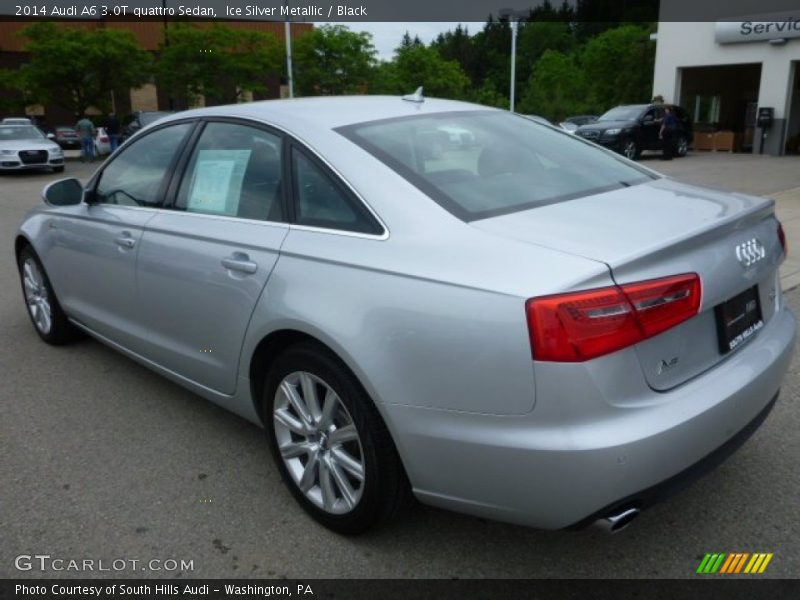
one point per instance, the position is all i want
(320, 202)
(135, 176)
(235, 170)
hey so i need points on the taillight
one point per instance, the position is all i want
(782, 238)
(580, 326)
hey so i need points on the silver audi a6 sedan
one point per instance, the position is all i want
(24, 147)
(510, 322)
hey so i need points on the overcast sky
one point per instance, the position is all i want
(387, 36)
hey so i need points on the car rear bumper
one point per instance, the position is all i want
(580, 452)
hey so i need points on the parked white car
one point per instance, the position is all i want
(102, 143)
(17, 121)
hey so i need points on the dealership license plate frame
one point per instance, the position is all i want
(738, 319)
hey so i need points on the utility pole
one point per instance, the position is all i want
(287, 28)
(514, 25)
(166, 45)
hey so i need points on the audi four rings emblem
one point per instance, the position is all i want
(750, 252)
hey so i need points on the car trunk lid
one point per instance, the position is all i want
(665, 228)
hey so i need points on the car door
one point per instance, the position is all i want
(651, 126)
(96, 242)
(204, 261)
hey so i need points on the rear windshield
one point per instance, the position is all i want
(480, 164)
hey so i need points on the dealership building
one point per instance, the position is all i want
(727, 74)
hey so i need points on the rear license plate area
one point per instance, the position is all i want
(738, 319)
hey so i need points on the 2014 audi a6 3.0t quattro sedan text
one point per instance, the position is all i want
(512, 323)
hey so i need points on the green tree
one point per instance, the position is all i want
(487, 95)
(556, 89)
(492, 50)
(219, 62)
(333, 60)
(620, 62)
(13, 98)
(457, 45)
(419, 65)
(535, 38)
(79, 68)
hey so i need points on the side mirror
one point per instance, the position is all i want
(51, 136)
(64, 192)
(648, 119)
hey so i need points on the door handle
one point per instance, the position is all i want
(240, 262)
(125, 240)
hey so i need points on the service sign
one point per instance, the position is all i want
(732, 32)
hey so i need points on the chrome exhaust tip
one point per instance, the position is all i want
(616, 522)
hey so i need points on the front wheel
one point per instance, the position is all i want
(329, 443)
(44, 310)
(630, 149)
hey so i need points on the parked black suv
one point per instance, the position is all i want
(633, 128)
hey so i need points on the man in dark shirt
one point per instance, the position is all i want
(667, 134)
(114, 130)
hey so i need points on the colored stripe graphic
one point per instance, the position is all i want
(742, 559)
(703, 563)
(735, 562)
(727, 564)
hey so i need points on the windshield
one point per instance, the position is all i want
(499, 163)
(622, 113)
(17, 132)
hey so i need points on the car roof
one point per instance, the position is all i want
(330, 112)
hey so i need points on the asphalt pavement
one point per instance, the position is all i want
(100, 459)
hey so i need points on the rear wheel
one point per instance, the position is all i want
(44, 310)
(58, 169)
(681, 145)
(331, 446)
(630, 149)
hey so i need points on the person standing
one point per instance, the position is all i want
(86, 131)
(114, 130)
(669, 125)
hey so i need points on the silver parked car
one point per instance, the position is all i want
(527, 327)
(24, 147)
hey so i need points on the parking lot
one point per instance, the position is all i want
(102, 459)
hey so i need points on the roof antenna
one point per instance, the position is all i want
(415, 97)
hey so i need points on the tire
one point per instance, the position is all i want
(45, 312)
(630, 149)
(58, 169)
(681, 146)
(362, 447)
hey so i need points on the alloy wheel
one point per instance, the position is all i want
(36, 296)
(683, 146)
(319, 443)
(630, 149)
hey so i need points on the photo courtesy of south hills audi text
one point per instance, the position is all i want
(122, 590)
